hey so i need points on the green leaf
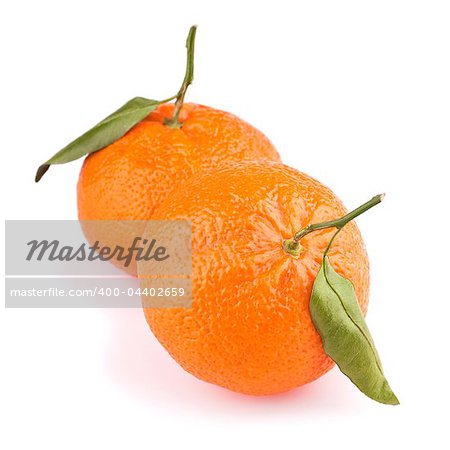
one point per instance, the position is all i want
(104, 133)
(345, 336)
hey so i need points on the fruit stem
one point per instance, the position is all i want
(188, 78)
(292, 246)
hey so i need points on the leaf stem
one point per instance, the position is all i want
(188, 78)
(331, 241)
(292, 246)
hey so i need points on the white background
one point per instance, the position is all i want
(355, 93)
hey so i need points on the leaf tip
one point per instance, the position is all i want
(41, 171)
(385, 395)
(393, 400)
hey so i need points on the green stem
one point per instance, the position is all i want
(331, 242)
(188, 78)
(292, 246)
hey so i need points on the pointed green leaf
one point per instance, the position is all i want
(345, 336)
(104, 133)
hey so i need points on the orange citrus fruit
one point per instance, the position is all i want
(249, 328)
(131, 177)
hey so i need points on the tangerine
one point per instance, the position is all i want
(250, 328)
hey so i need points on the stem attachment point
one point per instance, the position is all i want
(292, 248)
